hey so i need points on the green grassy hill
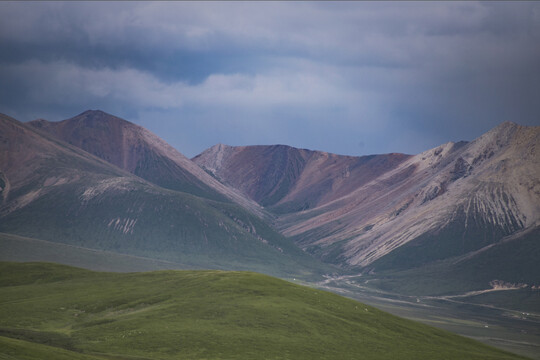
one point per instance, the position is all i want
(52, 311)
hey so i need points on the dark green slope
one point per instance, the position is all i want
(161, 224)
(474, 271)
(23, 249)
(446, 243)
(204, 315)
(62, 194)
(14, 348)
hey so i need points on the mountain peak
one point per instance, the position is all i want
(502, 136)
(94, 112)
(211, 159)
(98, 116)
(220, 147)
(507, 124)
(292, 178)
(39, 123)
(506, 127)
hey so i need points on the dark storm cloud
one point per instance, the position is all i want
(394, 76)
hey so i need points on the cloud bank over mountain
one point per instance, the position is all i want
(350, 78)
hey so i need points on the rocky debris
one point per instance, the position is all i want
(461, 169)
(503, 285)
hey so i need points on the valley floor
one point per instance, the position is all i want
(470, 314)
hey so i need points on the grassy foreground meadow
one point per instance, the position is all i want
(50, 311)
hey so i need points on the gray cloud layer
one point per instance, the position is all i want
(351, 77)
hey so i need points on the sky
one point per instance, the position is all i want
(353, 78)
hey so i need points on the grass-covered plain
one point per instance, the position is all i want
(55, 310)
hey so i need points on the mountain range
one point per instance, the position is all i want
(458, 202)
(57, 192)
(454, 230)
(98, 181)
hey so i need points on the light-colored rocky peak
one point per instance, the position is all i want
(507, 146)
(433, 157)
(493, 140)
(212, 158)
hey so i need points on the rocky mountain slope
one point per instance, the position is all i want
(57, 192)
(140, 152)
(452, 204)
(286, 179)
(394, 211)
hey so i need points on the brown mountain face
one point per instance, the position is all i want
(130, 147)
(448, 201)
(140, 152)
(286, 179)
(25, 153)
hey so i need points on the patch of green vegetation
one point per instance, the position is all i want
(14, 349)
(55, 339)
(203, 315)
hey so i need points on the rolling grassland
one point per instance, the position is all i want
(59, 312)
